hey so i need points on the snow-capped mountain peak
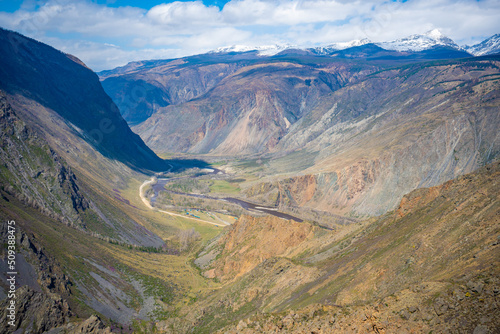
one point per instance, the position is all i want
(263, 50)
(339, 46)
(419, 42)
(435, 34)
(486, 47)
(414, 43)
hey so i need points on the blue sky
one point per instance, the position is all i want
(110, 33)
(13, 5)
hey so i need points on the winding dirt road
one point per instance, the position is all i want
(146, 202)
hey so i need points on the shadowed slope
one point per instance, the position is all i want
(64, 84)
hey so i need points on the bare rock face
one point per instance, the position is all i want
(92, 325)
(41, 302)
(251, 241)
(36, 312)
(418, 198)
(36, 174)
(380, 138)
(143, 88)
(247, 112)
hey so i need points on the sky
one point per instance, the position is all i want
(109, 33)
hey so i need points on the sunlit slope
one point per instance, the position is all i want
(369, 143)
(432, 264)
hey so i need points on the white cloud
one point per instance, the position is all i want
(105, 56)
(184, 14)
(214, 38)
(285, 12)
(176, 29)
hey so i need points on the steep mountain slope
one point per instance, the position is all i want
(70, 170)
(252, 109)
(420, 42)
(247, 112)
(370, 142)
(141, 89)
(35, 172)
(142, 92)
(431, 265)
(487, 47)
(35, 71)
(37, 175)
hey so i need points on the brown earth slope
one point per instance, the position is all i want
(371, 142)
(252, 240)
(247, 112)
(431, 265)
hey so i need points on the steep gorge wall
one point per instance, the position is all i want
(142, 91)
(373, 148)
(249, 112)
(372, 187)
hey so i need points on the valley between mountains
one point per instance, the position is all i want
(351, 190)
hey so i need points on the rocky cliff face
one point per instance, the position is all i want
(248, 112)
(249, 242)
(37, 312)
(41, 301)
(144, 89)
(42, 304)
(391, 133)
(432, 265)
(34, 173)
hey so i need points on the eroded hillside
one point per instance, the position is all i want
(349, 133)
(369, 143)
(431, 265)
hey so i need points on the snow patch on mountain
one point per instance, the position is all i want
(339, 46)
(413, 43)
(487, 47)
(263, 50)
(419, 42)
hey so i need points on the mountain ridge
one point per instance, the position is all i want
(420, 42)
(43, 74)
(429, 39)
(487, 47)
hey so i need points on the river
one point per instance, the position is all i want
(160, 186)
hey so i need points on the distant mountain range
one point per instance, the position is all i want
(413, 43)
(264, 50)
